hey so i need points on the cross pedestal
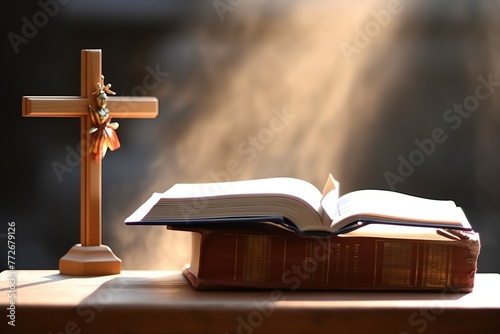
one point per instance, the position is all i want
(89, 257)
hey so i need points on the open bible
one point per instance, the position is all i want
(293, 203)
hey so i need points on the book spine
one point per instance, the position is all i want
(288, 261)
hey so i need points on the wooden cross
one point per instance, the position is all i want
(89, 257)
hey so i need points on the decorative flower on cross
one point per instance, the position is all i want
(102, 134)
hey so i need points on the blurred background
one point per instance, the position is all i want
(401, 95)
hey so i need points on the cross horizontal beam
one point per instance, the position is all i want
(76, 106)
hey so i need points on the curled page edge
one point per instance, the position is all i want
(330, 198)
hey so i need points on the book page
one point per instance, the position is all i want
(297, 200)
(286, 186)
(389, 205)
(329, 200)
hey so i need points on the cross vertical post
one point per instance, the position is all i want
(90, 256)
(91, 172)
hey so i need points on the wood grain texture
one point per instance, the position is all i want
(163, 302)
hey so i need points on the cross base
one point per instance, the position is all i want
(90, 261)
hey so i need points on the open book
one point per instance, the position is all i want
(295, 204)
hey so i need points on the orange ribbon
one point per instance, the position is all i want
(103, 136)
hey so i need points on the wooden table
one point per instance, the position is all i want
(163, 302)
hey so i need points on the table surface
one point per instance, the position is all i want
(164, 302)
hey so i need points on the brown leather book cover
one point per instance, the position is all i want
(374, 257)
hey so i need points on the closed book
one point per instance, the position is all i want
(374, 257)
